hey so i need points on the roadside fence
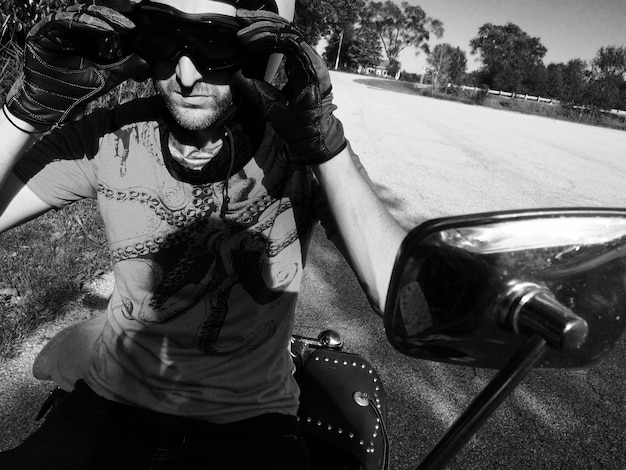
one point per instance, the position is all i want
(506, 94)
(527, 97)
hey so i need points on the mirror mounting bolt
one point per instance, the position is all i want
(530, 308)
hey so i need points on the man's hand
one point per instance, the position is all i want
(301, 112)
(71, 58)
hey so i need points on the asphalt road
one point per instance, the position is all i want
(429, 158)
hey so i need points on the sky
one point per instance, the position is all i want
(569, 29)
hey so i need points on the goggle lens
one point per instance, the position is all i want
(210, 40)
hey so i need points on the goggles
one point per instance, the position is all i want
(164, 34)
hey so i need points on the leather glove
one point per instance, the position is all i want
(71, 58)
(302, 112)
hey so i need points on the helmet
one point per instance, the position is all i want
(257, 67)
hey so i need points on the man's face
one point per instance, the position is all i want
(195, 99)
(195, 104)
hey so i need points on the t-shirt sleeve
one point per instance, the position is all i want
(61, 168)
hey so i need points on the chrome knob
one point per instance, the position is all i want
(330, 339)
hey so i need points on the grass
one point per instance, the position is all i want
(45, 263)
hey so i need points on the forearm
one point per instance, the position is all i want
(370, 235)
(17, 202)
(17, 137)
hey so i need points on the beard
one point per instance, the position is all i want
(198, 108)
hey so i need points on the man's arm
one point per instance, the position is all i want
(17, 203)
(370, 236)
(56, 81)
(302, 114)
(17, 136)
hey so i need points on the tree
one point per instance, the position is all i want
(399, 27)
(574, 82)
(606, 87)
(447, 64)
(555, 82)
(510, 57)
(567, 81)
(602, 94)
(318, 18)
(622, 97)
(609, 61)
(535, 81)
(365, 49)
(359, 47)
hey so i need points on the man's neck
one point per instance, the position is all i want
(198, 139)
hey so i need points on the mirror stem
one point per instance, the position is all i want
(483, 406)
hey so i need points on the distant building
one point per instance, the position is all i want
(379, 70)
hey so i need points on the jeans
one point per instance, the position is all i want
(87, 432)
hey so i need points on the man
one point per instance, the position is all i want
(209, 194)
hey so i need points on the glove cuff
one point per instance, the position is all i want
(330, 143)
(21, 124)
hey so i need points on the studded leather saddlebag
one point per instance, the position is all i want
(343, 409)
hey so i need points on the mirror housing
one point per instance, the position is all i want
(471, 290)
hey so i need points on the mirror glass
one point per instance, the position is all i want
(447, 299)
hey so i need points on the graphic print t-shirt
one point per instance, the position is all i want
(201, 314)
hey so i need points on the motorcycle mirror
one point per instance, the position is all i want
(471, 290)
